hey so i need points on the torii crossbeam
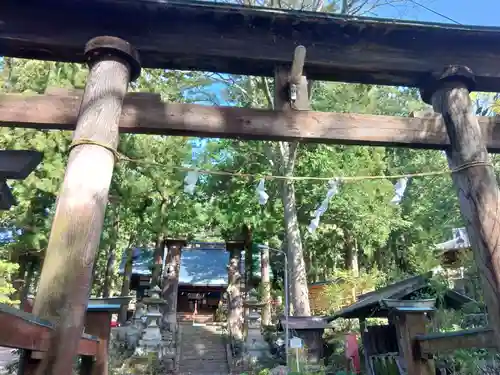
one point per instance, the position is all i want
(192, 35)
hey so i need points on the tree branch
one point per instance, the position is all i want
(267, 92)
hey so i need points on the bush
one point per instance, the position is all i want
(7, 270)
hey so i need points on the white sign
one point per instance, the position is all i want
(295, 343)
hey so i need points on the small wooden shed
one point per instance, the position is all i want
(380, 343)
(310, 329)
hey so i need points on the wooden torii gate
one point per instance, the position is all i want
(240, 40)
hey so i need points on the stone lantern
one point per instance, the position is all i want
(256, 346)
(151, 338)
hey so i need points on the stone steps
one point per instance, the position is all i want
(202, 350)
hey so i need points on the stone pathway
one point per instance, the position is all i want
(202, 350)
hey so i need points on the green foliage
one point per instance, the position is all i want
(147, 198)
(346, 287)
(7, 270)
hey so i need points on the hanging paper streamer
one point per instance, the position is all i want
(261, 193)
(399, 190)
(334, 189)
(190, 182)
(313, 225)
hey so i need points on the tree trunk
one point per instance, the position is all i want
(248, 258)
(352, 264)
(108, 273)
(127, 275)
(235, 302)
(307, 265)
(96, 284)
(288, 153)
(266, 287)
(171, 284)
(27, 282)
(298, 282)
(19, 283)
(158, 260)
(247, 279)
(351, 259)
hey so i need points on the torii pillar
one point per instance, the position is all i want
(65, 280)
(473, 176)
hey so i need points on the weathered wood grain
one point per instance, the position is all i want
(477, 189)
(433, 344)
(98, 323)
(22, 330)
(408, 325)
(64, 285)
(147, 114)
(245, 40)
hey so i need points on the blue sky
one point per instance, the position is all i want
(477, 12)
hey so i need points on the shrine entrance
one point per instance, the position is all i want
(210, 37)
(199, 301)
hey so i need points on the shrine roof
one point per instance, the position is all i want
(371, 304)
(199, 265)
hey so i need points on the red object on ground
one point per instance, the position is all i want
(352, 352)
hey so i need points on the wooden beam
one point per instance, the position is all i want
(244, 40)
(22, 330)
(98, 323)
(432, 344)
(147, 114)
(408, 325)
